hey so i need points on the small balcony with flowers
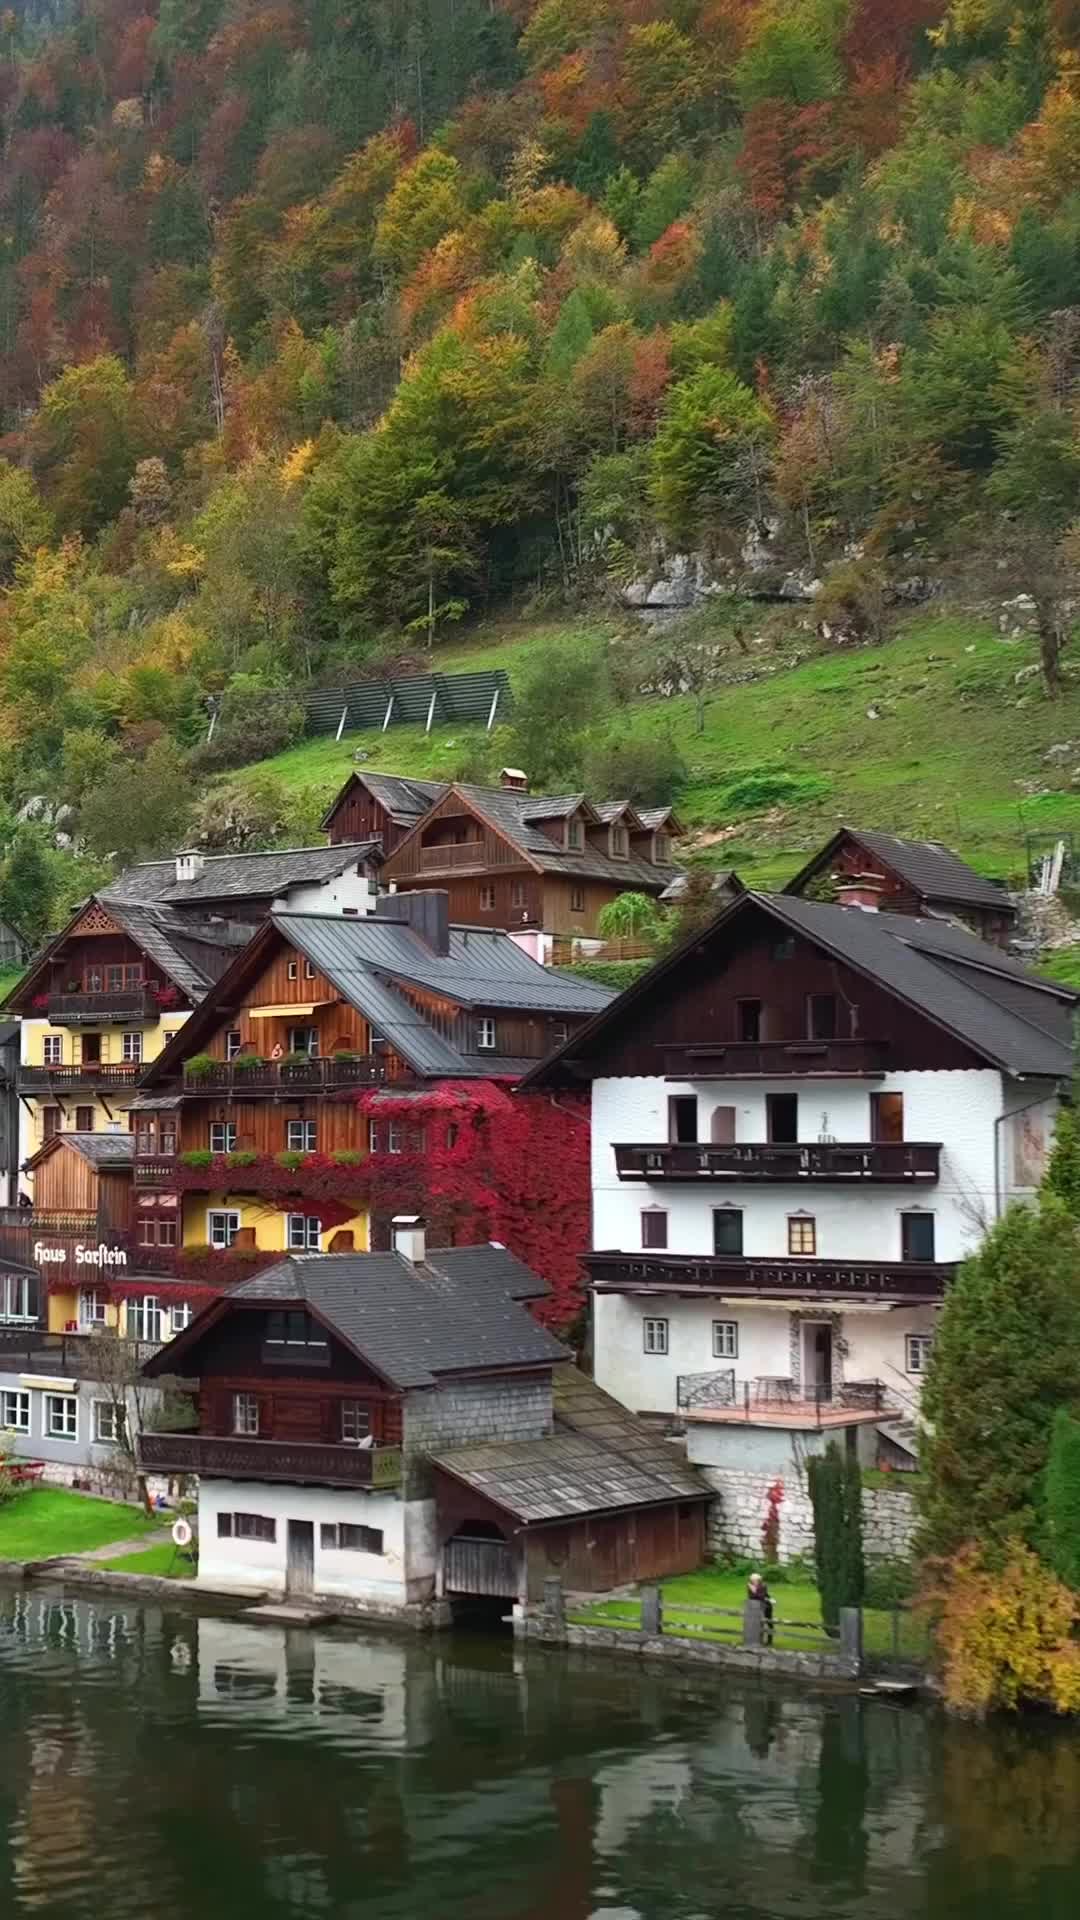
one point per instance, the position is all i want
(244, 1204)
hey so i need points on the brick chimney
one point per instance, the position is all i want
(410, 1238)
(514, 780)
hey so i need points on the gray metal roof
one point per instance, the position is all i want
(237, 875)
(457, 1312)
(599, 1457)
(363, 957)
(932, 870)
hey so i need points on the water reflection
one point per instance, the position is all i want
(157, 1763)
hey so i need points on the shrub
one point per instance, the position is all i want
(889, 1583)
(242, 1157)
(1063, 1499)
(763, 787)
(290, 1160)
(1005, 1634)
(247, 1062)
(250, 727)
(9, 1486)
(630, 916)
(618, 974)
(347, 1157)
(200, 1066)
(299, 1057)
(835, 1484)
(199, 1157)
(648, 771)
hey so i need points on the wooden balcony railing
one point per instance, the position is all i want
(103, 1009)
(863, 1162)
(453, 856)
(155, 1170)
(899, 1280)
(775, 1059)
(284, 1076)
(72, 1355)
(304, 1463)
(89, 1073)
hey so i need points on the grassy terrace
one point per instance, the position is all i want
(44, 1521)
(929, 736)
(792, 1601)
(164, 1562)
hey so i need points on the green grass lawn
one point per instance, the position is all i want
(43, 1521)
(928, 736)
(163, 1561)
(793, 1602)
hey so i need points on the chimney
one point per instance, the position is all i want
(189, 865)
(859, 890)
(514, 780)
(410, 1239)
(426, 911)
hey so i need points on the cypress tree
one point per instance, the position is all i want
(836, 1495)
(1063, 1499)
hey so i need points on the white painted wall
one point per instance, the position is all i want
(350, 889)
(238, 1663)
(249, 1566)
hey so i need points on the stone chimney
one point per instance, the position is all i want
(189, 866)
(426, 911)
(514, 780)
(859, 890)
(410, 1238)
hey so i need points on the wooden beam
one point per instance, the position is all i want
(494, 709)
(387, 714)
(341, 722)
(431, 709)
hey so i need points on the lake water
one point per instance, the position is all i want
(155, 1765)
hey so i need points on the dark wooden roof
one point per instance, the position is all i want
(928, 867)
(241, 876)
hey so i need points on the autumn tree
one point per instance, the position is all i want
(709, 455)
(85, 442)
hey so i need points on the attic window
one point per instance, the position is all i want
(575, 835)
(661, 848)
(620, 842)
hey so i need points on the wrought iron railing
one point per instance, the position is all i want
(705, 1389)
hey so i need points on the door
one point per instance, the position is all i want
(818, 1360)
(91, 1048)
(300, 1565)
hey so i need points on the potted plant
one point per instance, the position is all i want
(198, 1157)
(241, 1157)
(200, 1066)
(297, 1058)
(248, 1062)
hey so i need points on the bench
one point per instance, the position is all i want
(24, 1471)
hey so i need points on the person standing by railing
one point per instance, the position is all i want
(757, 1590)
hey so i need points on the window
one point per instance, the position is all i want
(61, 1416)
(15, 1412)
(245, 1413)
(575, 835)
(233, 1043)
(801, 1233)
(682, 1117)
(653, 1227)
(108, 1423)
(395, 1137)
(222, 1136)
(182, 1317)
(577, 899)
(84, 1119)
(784, 949)
(655, 1335)
(304, 1233)
(168, 1136)
(518, 893)
(886, 1116)
(373, 1144)
(559, 1034)
(91, 1308)
(487, 899)
(145, 1320)
(486, 1032)
(18, 1299)
(131, 1048)
(292, 971)
(157, 1233)
(50, 1122)
(748, 1019)
(309, 969)
(919, 1347)
(300, 1136)
(727, 1233)
(822, 1016)
(661, 848)
(355, 1422)
(782, 1118)
(916, 1236)
(345, 1537)
(52, 1049)
(725, 1339)
(291, 1327)
(620, 842)
(304, 1040)
(246, 1526)
(222, 1228)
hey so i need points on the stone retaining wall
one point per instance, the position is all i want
(737, 1515)
(537, 1626)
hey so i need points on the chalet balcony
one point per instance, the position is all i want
(912, 1281)
(275, 1078)
(303, 1463)
(68, 1079)
(455, 856)
(157, 1171)
(73, 1356)
(130, 1005)
(775, 1059)
(867, 1163)
(775, 1401)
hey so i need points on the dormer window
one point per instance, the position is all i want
(575, 835)
(620, 841)
(661, 848)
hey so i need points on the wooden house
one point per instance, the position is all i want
(369, 1426)
(878, 870)
(379, 806)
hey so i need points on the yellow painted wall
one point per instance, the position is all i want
(117, 1102)
(64, 1308)
(267, 1220)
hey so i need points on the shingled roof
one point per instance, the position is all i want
(932, 871)
(457, 1311)
(265, 876)
(512, 814)
(600, 1457)
(402, 797)
(106, 1152)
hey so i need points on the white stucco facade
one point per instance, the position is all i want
(993, 1134)
(389, 1578)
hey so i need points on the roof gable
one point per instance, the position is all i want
(928, 867)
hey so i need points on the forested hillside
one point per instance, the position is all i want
(323, 326)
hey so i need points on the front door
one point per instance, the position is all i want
(300, 1566)
(818, 1360)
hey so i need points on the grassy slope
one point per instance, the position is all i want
(47, 1520)
(164, 1562)
(948, 755)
